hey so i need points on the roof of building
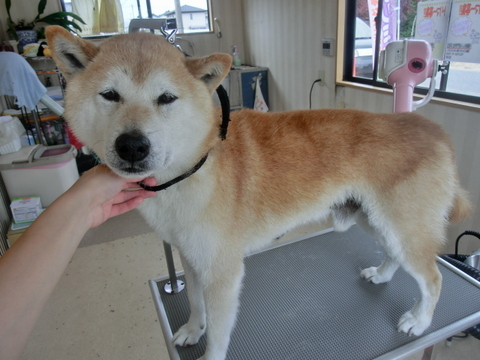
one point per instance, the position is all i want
(184, 9)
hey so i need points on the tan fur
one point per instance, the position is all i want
(392, 174)
(461, 207)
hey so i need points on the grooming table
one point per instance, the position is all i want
(305, 299)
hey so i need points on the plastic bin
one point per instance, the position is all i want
(38, 170)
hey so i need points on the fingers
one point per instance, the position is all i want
(123, 207)
(134, 184)
(107, 184)
(127, 200)
(129, 194)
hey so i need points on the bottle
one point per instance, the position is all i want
(236, 56)
(50, 137)
(66, 138)
(57, 131)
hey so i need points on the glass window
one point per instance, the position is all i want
(452, 27)
(109, 17)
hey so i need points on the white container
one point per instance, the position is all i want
(37, 170)
(26, 209)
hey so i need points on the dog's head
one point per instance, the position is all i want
(138, 102)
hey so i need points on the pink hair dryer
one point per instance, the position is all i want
(404, 64)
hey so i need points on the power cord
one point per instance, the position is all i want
(448, 342)
(318, 80)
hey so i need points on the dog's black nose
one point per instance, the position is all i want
(132, 146)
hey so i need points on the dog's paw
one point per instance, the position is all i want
(188, 335)
(371, 274)
(413, 325)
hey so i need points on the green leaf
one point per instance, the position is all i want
(11, 28)
(61, 15)
(41, 7)
(63, 22)
(54, 21)
(76, 26)
(8, 4)
(76, 17)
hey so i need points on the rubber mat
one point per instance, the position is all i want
(306, 300)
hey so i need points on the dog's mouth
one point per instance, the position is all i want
(129, 169)
(133, 169)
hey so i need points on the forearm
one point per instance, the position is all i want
(30, 270)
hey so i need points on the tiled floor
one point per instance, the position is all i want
(102, 308)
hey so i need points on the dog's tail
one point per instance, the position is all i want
(461, 207)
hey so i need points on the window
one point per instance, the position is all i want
(108, 17)
(452, 27)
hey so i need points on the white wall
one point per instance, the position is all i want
(285, 36)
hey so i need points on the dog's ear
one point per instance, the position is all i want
(71, 53)
(210, 69)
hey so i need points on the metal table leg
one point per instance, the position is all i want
(173, 286)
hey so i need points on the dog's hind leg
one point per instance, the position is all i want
(415, 251)
(387, 269)
(192, 331)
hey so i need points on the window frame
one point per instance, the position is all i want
(209, 15)
(347, 12)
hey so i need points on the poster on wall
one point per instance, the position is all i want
(463, 38)
(432, 24)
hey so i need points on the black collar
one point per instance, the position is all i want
(176, 180)
(222, 95)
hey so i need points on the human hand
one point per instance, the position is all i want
(107, 195)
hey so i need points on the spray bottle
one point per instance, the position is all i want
(236, 56)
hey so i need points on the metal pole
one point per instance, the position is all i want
(444, 69)
(36, 121)
(173, 286)
(178, 16)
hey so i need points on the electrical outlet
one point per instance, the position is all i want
(321, 76)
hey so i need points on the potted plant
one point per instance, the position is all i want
(24, 32)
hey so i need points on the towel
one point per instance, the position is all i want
(17, 78)
(260, 103)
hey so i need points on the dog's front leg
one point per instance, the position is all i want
(192, 331)
(222, 293)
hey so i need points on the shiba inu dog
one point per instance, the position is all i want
(147, 110)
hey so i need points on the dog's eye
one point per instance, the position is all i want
(166, 98)
(111, 95)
